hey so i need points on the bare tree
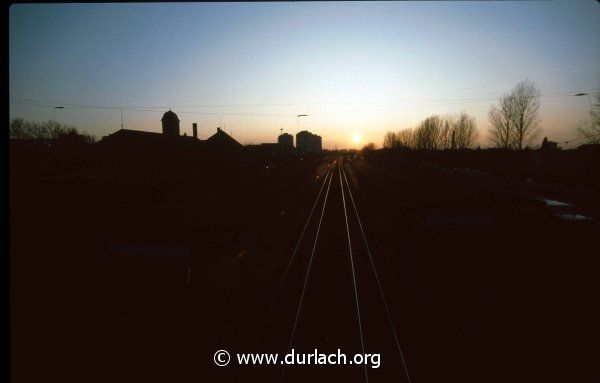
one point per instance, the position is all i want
(446, 129)
(525, 102)
(465, 131)
(514, 123)
(390, 140)
(501, 128)
(406, 138)
(428, 133)
(20, 129)
(435, 132)
(368, 147)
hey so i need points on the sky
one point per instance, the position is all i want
(355, 68)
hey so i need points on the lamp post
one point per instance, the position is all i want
(54, 112)
(590, 104)
(297, 121)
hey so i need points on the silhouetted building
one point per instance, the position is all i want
(126, 138)
(306, 142)
(548, 145)
(287, 141)
(589, 147)
(170, 124)
(170, 136)
(222, 141)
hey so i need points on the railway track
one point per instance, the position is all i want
(330, 297)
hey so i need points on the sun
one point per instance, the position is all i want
(356, 138)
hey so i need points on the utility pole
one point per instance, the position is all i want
(121, 118)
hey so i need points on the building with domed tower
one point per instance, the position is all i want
(170, 124)
(170, 137)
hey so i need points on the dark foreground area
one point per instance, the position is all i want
(139, 269)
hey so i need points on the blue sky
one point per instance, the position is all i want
(349, 63)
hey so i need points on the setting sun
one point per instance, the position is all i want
(356, 138)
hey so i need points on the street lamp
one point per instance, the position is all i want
(54, 112)
(297, 123)
(590, 103)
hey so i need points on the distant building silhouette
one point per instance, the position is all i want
(170, 124)
(283, 146)
(548, 145)
(287, 141)
(170, 136)
(306, 142)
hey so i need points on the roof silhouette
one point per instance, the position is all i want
(222, 140)
(133, 137)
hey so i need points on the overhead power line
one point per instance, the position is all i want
(161, 109)
(458, 100)
(146, 109)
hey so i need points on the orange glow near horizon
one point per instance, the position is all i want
(335, 70)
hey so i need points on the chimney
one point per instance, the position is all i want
(218, 129)
(195, 129)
